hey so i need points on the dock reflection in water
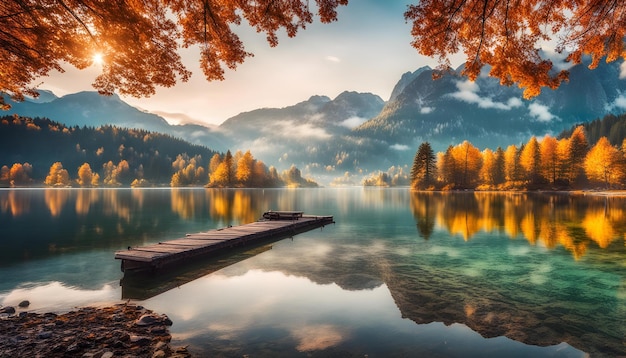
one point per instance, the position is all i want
(401, 273)
(144, 285)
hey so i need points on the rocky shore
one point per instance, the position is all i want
(122, 330)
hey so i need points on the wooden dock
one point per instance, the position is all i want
(273, 224)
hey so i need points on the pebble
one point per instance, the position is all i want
(24, 304)
(116, 331)
(7, 310)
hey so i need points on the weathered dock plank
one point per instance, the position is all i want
(158, 255)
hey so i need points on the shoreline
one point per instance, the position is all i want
(590, 192)
(120, 330)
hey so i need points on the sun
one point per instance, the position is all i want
(98, 58)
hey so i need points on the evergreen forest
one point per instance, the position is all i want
(38, 151)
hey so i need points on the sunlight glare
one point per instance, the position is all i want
(98, 59)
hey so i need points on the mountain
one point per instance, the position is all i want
(91, 109)
(355, 134)
(44, 97)
(315, 134)
(451, 109)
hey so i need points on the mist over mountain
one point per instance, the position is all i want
(357, 133)
(452, 109)
(88, 108)
(317, 133)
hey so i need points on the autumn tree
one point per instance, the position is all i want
(604, 163)
(512, 168)
(564, 158)
(578, 147)
(549, 158)
(116, 175)
(215, 161)
(85, 175)
(57, 176)
(261, 175)
(530, 161)
(424, 167)
(487, 171)
(138, 41)
(187, 171)
(468, 161)
(508, 36)
(245, 166)
(19, 174)
(447, 168)
(223, 174)
(498, 170)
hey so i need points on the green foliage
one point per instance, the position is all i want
(423, 170)
(42, 142)
(610, 126)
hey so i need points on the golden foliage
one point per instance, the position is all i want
(530, 159)
(19, 174)
(604, 163)
(56, 200)
(85, 175)
(57, 176)
(137, 42)
(549, 157)
(545, 221)
(507, 36)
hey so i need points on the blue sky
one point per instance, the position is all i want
(367, 50)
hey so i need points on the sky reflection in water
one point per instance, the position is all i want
(399, 274)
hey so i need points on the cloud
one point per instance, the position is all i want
(317, 337)
(333, 59)
(541, 112)
(352, 122)
(426, 110)
(622, 71)
(400, 147)
(292, 129)
(181, 118)
(620, 101)
(468, 92)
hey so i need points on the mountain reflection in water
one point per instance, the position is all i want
(525, 297)
(400, 273)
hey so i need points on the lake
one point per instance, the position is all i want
(400, 274)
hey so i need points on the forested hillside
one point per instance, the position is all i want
(42, 142)
(40, 151)
(612, 127)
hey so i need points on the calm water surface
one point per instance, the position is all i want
(399, 274)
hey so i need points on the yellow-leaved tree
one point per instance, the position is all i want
(57, 176)
(86, 177)
(604, 163)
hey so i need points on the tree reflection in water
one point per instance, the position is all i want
(499, 288)
(572, 221)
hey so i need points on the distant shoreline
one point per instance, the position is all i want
(590, 192)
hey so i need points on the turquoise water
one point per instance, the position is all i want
(399, 274)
